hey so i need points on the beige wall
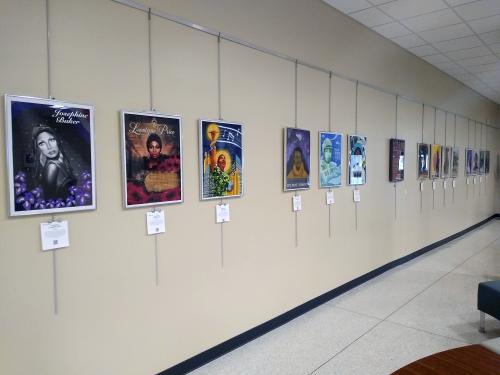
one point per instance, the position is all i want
(112, 317)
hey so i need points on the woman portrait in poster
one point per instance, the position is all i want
(50, 154)
(53, 170)
(296, 167)
(152, 158)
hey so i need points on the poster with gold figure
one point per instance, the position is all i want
(221, 159)
(436, 156)
(152, 158)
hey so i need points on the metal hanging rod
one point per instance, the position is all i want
(230, 38)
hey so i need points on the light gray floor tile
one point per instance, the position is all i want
(448, 308)
(295, 348)
(385, 349)
(386, 293)
(485, 264)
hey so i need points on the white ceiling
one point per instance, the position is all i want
(459, 37)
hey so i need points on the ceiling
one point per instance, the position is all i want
(459, 37)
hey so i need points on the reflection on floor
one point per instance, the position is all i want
(422, 307)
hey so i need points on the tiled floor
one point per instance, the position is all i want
(422, 307)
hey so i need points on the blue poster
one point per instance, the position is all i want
(330, 159)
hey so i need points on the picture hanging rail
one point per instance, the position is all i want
(230, 38)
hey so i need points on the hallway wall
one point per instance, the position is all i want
(112, 318)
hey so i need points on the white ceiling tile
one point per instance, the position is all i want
(479, 60)
(483, 68)
(484, 25)
(400, 9)
(478, 9)
(378, 2)
(371, 17)
(435, 59)
(489, 76)
(464, 76)
(454, 3)
(455, 71)
(423, 50)
(468, 53)
(446, 33)
(434, 20)
(392, 30)
(446, 65)
(409, 41)
(456, 44)
(491, 37)
(348, 6)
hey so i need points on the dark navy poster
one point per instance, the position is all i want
(50, 156)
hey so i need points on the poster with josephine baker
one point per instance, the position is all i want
(50, 156)
(152, 158)
(297, 159)
(221, 159)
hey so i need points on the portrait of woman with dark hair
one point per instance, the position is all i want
(296, 168)
(52, 170)
(154, 146)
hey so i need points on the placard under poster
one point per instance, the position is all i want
(396, 160)
(423, 158)
(357, 160)
(221, 159)
(50, 155)
(297, 159)
(152, 158)
(330, 159)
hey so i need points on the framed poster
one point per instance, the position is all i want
(330, 159)
(475, 162)
(482, 155)
(50, 156)
(221, 159)
(469, 162)
(435, 161)
(152, 158)
(486, 162)
(357, 160)
(396, 160)
(297, 159)
(446, 167)
(454, 161)
(423, 161)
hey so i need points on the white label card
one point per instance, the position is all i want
(222, 213)
(329, 198)
(480, 180)
(421, 186)
(155, 222)
(467, 181)
(444, 184)
(433, 185)
(54, 235)
(357, 195)
(297, 203)
(454, 184)
(474, 180)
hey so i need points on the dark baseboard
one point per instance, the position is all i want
(245, 337)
